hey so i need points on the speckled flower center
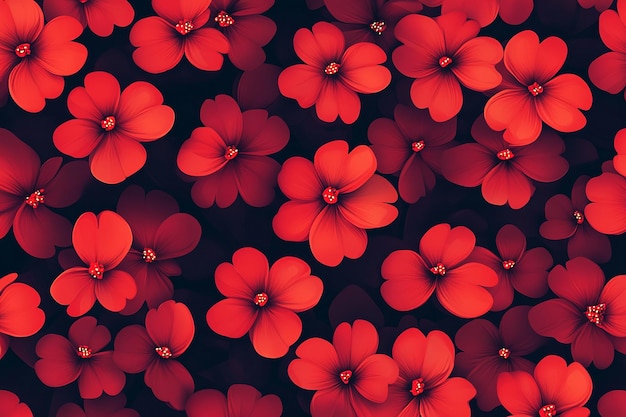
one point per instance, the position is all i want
(148, 255)
(439, 269)
(96, 270)
(504, 353)
(83, 351)
(108, 123)
(163, 351)
(330, 195)
(444, 61)
(184, 26)
(231, 152)
(579, 217)
(345, 376)
(547, 411)
(505, 155)
(35, 199)
(23, 50)
(261, 299)
(224, 19)
(332, 68)
(378, 26)
(508, 264)
(595, 314)
(417, 387)
(418, 145)
(535, 89)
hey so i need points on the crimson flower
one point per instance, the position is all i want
(333, 200)
(154, 348)
(263, 301)
(619, 160)
(504, 171)
(412, 146)
(230, 154)
(104, 406)
(442, 267)
(332, 75)
(10, 405)
(80, 358)
(28, 188)
(101, 243)
(35, 57)
(599, 5)
(487, 351)
(110, 126)
(532, 93)
(348, 376)
(240, 401)
(441, 54)
(607, 207)
(554, 388)
(612, 404)
(588, 314)
(178, 30)
(513, 12)
(100, 15)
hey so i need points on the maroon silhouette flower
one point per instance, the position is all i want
(240, 401)
(619, 160)
(612, 404)
(100, 15)
(513, 12)
(606, 211)
(104, 406)
(599, 5)
(10, 405)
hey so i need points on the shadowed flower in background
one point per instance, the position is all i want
(612, 404)
(104, 406)
(101, 16)
(240, 401)
(11, 406)
(513, 12)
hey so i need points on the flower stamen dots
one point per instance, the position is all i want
(330, 195)
(505, 155)
(547, 411)
(439, 269)
(231, 152)
(332, 68)
(163, 351)
(418, 146)
(595, 314)
(224, 19)
(580, 218)
(378, 27)
(261, 299)
(84, 352)
(184, 26)
(444, 61)
(508, 264)
(535, 89)
(108, 123)
(36, 198)
(345, 376)
(96, 270)
(504, 353)
(417, 386)
(23, 50)
(148, 255)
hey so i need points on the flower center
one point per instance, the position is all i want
(96, 270)
(108, 123)
(332, 68)
(22, 50)
(418, 145)
(438, 269)
(184, 26)
(260, 299)
(444, 61)
(505, 155)
(35, 199)
(535, 89)
(417, 387)
(504, 353)
(595, 314)
(578, 216)
(148, 255)
(224, 19)
(330, 195)
(547, 411)
(378, 26)
(231, 152)
(84, 351)
(164, 352)
(508, 264)
(345, 376)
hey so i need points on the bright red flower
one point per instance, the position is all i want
(441, 54)
(10, 405)
(230, 154)
(526, 271)
(504, 172)
(35, 57)
(240, 401)
(488, 351)
(101, 242)
(100, 15)
(110, 126)
(619, 160)
(606, 211)
(28, 188)
(349, 377)
(442, 267)
(333, 200)
(513, 12)
(80, 358)
(104, 406)
(612, 404)
(424, 387)
(332, 75)
(411, 146)
(554, 388)
(599, 5)
(263, 301)
(565, 220)
(532, 93)
(154, 349)
(588, 314)
(178, 30)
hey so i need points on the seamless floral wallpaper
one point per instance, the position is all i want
(326, 208)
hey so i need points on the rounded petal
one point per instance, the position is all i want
(274, 331)
(171, 325)
(232, 317)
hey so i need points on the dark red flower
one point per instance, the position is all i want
(101, 242)
(240, 401)
(333, 200)
(606, 211)
(10, 405)
(80, 358)
(349, 377)
(532, 93)
(154, 349)
(100, 15)
(612, 404)
(619, 160)
(599, 5)
(442, 267)
(441, 54)
(504, 172)
(230, 154)
(513, 12)
(488, 351)
(554, 388)
(332, 75)
(110, 126)
(28, 188)
(178, 30)
(263, 301)
(411, 146)
(588, 314)
(104, 406)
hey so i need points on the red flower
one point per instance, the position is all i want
(513, 12)
(154, 349)
(504, 172)
(553, 389)
(589, 314)
(349, 377)
(424, 387)
(565, 220)
(333, 200)
(441, 54)
(109, 126)
(160, 234)
(10, 405)
(245, 28)
(240, 401)
(80, 358)
(619, 160)
(35, 57)
(531, 93)
(332, 75)
(599, 5)
(607, 211)
(488, 351)
(230, 153)
(526, 271)
(411, 146)
(612, 404)
(442, 268)
(263, 301)
(28, 188)
(101, 242)
(101, 407)
(100, 15)
(162, 40)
